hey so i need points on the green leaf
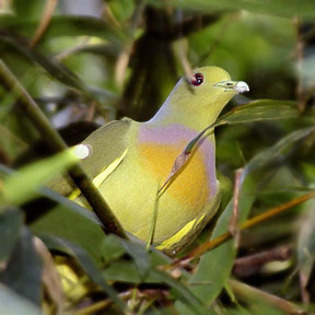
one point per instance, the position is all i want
(21, 186)
(23, 272)
(55, 68)
(12, 303)
(67, 220)
(264, 158)
(259, 110)
(283, 8)
(63, 26)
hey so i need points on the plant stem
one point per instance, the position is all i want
(55, 142)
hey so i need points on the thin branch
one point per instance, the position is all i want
(46, 18)
(55, 142)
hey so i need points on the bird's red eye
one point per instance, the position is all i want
(197, 79)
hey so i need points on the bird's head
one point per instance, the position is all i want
(199, 98)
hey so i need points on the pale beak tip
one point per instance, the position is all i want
(241, 87)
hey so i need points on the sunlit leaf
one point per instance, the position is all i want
(21, 186)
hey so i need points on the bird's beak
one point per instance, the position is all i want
(233, 86)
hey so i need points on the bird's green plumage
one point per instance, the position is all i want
(129, 161)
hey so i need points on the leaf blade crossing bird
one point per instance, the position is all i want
(130, 161)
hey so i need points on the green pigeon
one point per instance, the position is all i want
(131, 162)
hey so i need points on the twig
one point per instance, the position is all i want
(247, 266)
(233, 225)
(46, 18)
(55, 142)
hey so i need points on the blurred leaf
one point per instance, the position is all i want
(31, 9)
(277, 151)
(259, 110)
(55, 68)
(141, 257)
(283, 8)
(306, 250)
(111, 248)
(20, 186)
(10, 228)
(64, 26)
(85, 261)
(23, 272)
(11, 303)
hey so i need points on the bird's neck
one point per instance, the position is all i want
(192, 118)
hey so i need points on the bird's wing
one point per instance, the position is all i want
(107, 146)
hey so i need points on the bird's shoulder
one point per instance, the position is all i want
(107, 144)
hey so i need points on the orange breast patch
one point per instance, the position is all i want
(191, 185)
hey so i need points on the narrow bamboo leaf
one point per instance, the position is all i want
(12, 303)
(259, 110)
(86, 262)
(64, 26)
(11, 222)
(20, 186)
(23, 272)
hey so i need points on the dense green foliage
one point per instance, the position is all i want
(98, 60)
